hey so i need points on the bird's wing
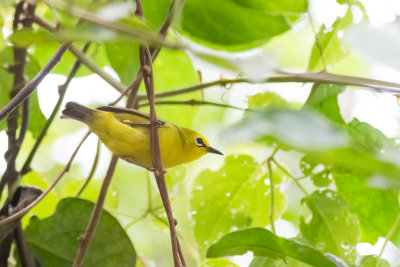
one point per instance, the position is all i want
(132, 116)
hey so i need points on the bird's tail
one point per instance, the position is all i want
(77, 112)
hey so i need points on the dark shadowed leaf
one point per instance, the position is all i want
(54, 240)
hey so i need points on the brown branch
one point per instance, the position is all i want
(86, 238)
(146, 64)
(311, 77)
(30, 87)
(194, 102)
(23, 251)
(18, 215)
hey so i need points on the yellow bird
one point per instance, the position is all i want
(126, 133)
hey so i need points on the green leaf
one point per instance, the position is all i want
(36, 118)
(263, 242)
(322, 179)
(328, 48)
(367, 137)
(124, 59)
(155, 12)
(371, 261)
(44, 52)
(268, 99)
(218, 263)
(54, 241)
(240, 24)
(235, 196)
(333, 227)
(376, 209)
(323, 98)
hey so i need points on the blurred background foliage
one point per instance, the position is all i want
(311, 171)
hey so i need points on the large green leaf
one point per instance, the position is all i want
(238, 24)
(55, 240)
(328, 48)
(367, 137)
(323, 98)
(124, 59)
(235, 196)
(44, 52)
(376, 209)
(333, 227)
(263, 242)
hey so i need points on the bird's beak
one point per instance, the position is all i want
(213, 150)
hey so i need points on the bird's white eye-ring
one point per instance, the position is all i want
(199, 141)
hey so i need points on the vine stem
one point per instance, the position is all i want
(87, 237)
(389, 235)
(271, 184)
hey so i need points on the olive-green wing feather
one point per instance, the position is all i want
(132, 116)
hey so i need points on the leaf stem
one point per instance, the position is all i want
(389, 236)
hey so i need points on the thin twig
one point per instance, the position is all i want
(194, 102)
(23, 251)
(311, 77)
(83, 58)
(62, 89)
(87, 237)
(92, 170)
(30, 87)
(25, 210)
(271, 186)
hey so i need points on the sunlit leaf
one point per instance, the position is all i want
(376, 209)
(44, 52)
(263, 242)
(234, 197)
(124, 59)
(218, 263)
(323, 98)
(238, 25)
(263, 100)
(328, 48)
(54, 241)
(333, 227)
(373, 261)
(367, 137)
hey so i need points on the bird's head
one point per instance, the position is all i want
(202, 145)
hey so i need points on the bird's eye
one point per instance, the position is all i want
(199, 141)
